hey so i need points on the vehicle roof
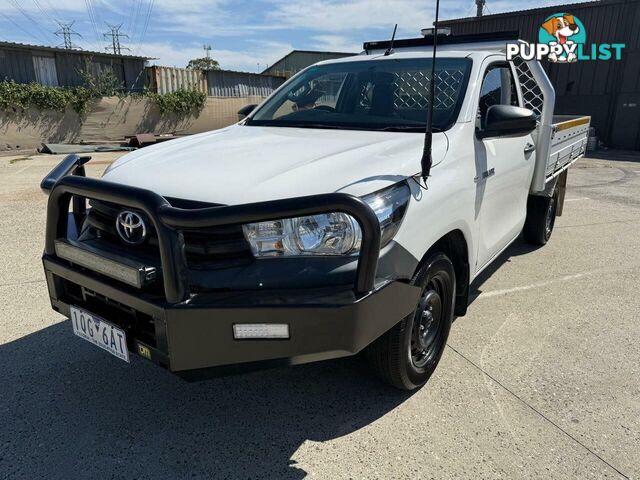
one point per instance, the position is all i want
(413, 53)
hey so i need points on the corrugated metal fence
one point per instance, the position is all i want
(169, 79)
(215, 83)
(240, 84)
(53, 67)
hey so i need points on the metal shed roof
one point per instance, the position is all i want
(26, 46)
(292, 52)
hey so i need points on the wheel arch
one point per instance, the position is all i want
(455, 246)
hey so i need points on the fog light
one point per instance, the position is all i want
(246, 331)
(122, 269)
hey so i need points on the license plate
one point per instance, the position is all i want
(98, 331)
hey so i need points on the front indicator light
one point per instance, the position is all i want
(252, 331)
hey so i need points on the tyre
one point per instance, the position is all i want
(407, 355)
(541, 217)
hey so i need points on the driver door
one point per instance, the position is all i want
(504, 168)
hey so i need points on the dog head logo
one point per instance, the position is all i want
(562, 32)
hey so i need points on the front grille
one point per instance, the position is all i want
(206, 249)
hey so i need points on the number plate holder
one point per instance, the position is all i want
(98, 331)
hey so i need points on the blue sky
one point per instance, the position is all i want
(244, 35)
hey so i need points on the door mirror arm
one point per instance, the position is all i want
(246, 110)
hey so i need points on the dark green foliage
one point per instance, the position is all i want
(104, 83)
(204, 63)
(18, 97)
(180, 102)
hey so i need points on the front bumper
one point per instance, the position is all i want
(197, 335)
(185, 331)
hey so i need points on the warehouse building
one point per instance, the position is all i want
(62, 67)
(608, 90)
(298, 60)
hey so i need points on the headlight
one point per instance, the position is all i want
(326, 234)
(330, 233)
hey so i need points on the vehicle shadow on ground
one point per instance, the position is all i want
(517, 248)
(69, 410)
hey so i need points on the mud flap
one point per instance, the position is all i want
(562, 188)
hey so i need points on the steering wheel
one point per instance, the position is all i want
(300, 93)
(325, 108)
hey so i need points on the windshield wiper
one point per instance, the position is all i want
(407, 128)
(316, 125)
(390, 128)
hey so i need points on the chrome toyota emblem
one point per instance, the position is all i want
(131, 227)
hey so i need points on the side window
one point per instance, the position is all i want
(498, 88)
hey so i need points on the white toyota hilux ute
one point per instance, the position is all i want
(311, 230)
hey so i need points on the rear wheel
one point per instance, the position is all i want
(541, 218)
(407, 355)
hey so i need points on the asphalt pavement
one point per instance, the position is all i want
(541, 379)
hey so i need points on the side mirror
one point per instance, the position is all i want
(246, 110)
(507, 120)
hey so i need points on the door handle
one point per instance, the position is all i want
(486, 174)
(529, 147)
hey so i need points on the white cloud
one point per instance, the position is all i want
(338, 16)
(249, 60)
(336, 43)
(32, 7)
(411, 15)
(244, 33)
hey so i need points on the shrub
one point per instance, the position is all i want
(180, 102)
(18, 97)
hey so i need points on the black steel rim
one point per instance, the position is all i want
(428, 323)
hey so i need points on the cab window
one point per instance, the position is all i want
(378, 94)
(498, 88)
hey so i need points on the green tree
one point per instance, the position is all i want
(204, 63)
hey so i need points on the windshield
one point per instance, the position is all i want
(389, 94)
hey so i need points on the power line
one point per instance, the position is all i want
(42, 11)
(93, 21)
(115, 39)
(126, 20)
(39, 28)
(146, 25)
(7, 17)
(133, 23)
(65, 32)
(53, 9)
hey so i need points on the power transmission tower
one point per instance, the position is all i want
(480, 7)
(65, 32)
(115, 35)
(207, 50)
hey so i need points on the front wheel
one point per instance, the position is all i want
(407, 355)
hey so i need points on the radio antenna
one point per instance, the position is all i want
(427, 159)
(389, 50)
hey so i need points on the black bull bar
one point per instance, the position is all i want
(67, 181)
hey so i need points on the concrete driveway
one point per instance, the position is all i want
(541, 379)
